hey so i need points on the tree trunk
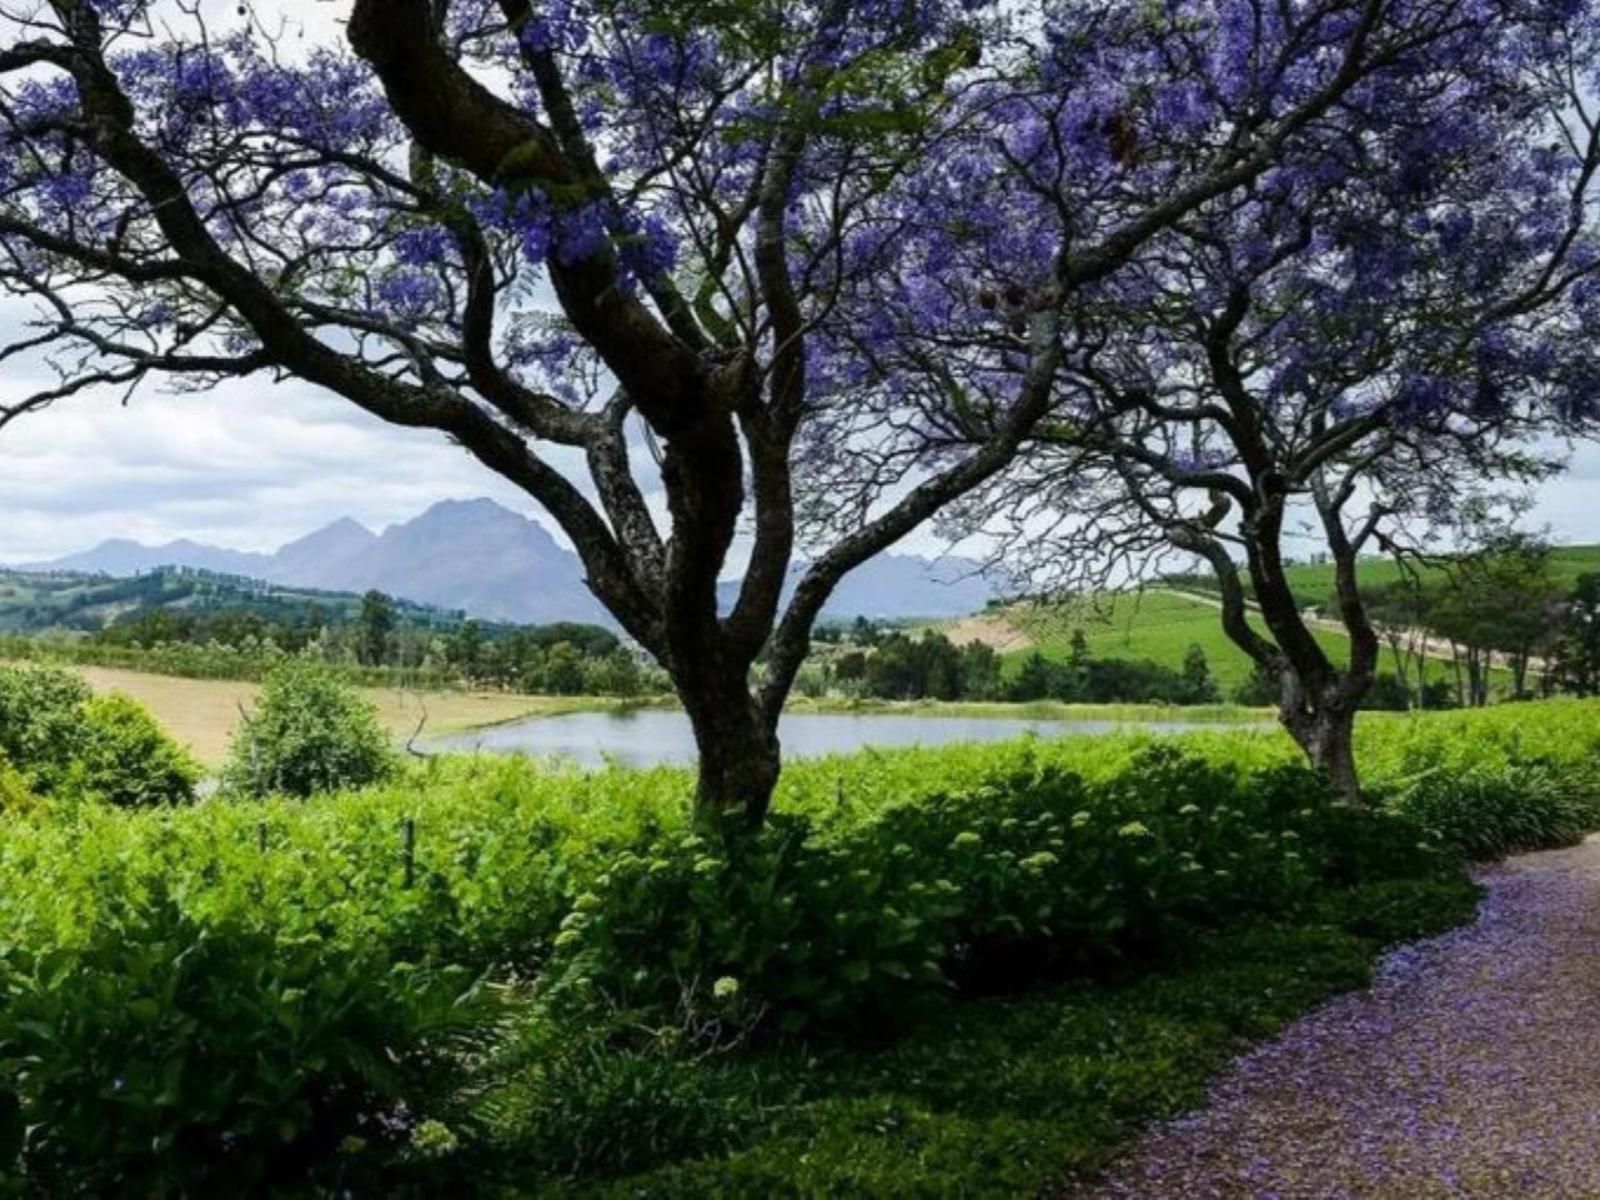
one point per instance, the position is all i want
(739, 758)
(1326, 732)
(1478, 675)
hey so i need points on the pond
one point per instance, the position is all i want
(650, 737)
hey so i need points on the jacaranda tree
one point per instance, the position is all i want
(1375, 338)
(737, 251)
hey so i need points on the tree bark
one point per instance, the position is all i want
(1325, 729)
(739, 756)
(1402, 660)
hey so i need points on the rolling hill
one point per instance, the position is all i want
(1313, 583)
(1156, 624)
(67, 600)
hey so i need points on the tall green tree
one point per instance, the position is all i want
(376, 625)
(1198, 685)
(1501, 606)
(465, 650)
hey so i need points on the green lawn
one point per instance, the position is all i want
(1156, 626)
(1153, 625)
(1313, 582)
(1160, 626)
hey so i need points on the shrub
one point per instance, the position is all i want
(128, 760)
(309, 733)
(1491, 782)
(63, 738)
(1489, 810)
(217, 996)
(575, 1100)
(185, 1015)
(42, 728)
(999, 1096)
(989, 886)
(14, 794)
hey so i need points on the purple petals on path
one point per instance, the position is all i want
(1471, 1068)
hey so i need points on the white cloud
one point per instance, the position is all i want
(249, 466)
(252, 465)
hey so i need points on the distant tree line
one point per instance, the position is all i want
(80, 602)
(1084, 679)
(380, 645)
(896, 665)
(1498, 611)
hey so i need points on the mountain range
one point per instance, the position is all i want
(496, 565)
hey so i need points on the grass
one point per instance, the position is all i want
(1159, 626)
(1313, 583)
(1153, 625)
(1039, 710)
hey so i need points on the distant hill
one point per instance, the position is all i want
(1156, 624)
(120, 557)
(32, 602)
(495, 565)
(1313, 583)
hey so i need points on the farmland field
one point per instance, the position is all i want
(202, 713)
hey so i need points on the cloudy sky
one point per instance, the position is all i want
(253, 465)
(250, 466)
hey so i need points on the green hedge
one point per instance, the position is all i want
(281, 993)
(1027, 873)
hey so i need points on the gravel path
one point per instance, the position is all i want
(1471, 1068)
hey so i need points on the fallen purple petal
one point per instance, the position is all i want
(1470, 1069)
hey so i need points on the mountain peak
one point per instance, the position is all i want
(346, 531)
(456, 509)
(476, 519)
(485, 559)
(455, 512)
(322, 559)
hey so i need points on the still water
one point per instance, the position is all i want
(649, 737)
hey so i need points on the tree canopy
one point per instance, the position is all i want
(1378, 336)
